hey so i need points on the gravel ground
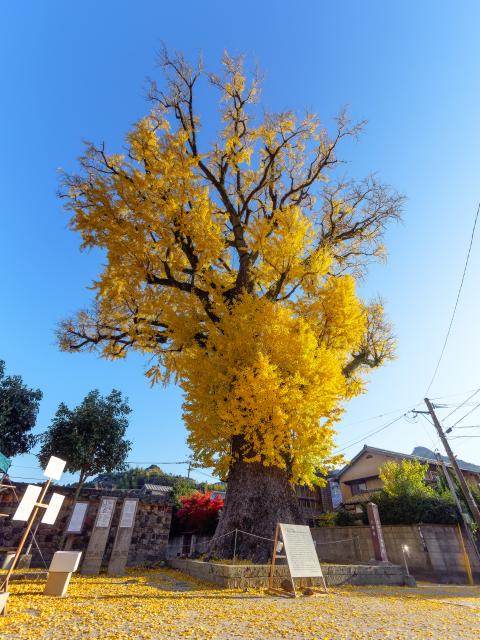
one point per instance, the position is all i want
(164, 604)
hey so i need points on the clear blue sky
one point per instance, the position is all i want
(74, 71)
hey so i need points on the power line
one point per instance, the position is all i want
(389, 413)
(155, 462)
(371, 433)
(204, 474)
(26, 478)
(456, 302)
(452, 395)
(462, 404)
(463, 417)
(456, 405)
(469, 426)
(19, 466)
(380, 415)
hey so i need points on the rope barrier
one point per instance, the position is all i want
(254, 535)
(337, 541)
(214, 539)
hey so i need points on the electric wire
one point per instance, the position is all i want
(463, 417)
(452, 395)
(456, 302)
(462, 404)
(372, 433)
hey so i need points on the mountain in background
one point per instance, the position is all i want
(137, 477)
(423, 452)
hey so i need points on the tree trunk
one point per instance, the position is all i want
(257, 498)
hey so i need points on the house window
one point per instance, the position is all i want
(358, 487)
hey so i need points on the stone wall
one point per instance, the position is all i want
(150, 534)
(254, 576)
(434, 550)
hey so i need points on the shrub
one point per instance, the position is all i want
(199, 513)
(413, 509)
(345, 518)
(328, 519)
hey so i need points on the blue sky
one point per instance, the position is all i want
(75, 71)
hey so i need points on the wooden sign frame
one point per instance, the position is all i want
(284, 592)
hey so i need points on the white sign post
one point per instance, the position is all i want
(300, 553)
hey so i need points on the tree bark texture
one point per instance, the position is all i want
(257, 498)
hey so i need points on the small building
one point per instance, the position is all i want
(217, 493)
(318, 500)
(360, 478)
(156, 490)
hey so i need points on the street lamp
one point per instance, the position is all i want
(405, 552)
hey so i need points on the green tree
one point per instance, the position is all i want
(183, 488)
(405, 478)
(18, 413)
(406, 497)
(91, 437)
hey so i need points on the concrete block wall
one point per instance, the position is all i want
(434, 551)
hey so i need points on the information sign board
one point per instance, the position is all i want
(105, 512)
(301, 554)
(128, 513)
(53, 509)
(27, 503)
(78, 517)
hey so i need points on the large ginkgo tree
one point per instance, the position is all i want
(232, 265)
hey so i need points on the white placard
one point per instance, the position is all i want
(53, 508)
(128, 513)
(25, 508)
(301, 554)
(65, 561)
(78, 516)
(54, 468)
(105, 512)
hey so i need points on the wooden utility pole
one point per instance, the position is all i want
(463, 515)
(463, 484)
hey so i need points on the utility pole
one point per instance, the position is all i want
(463, 484)
(453, 491)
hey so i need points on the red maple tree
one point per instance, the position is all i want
(199, 512)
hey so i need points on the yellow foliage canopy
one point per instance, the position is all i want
(233, 273)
